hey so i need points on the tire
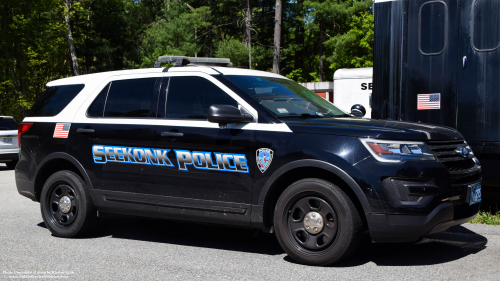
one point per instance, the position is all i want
(63, 219)
(12, 164)
(340, 233)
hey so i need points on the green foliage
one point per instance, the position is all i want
(355, 47)
(233, 49)
(123, 34)
(487, 218)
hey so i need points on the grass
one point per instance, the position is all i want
(484, 217)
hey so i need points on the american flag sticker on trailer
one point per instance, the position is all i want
(429, 101)
(62, 130)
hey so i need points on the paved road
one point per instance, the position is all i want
(126, 248)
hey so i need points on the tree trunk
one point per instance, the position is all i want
(299, 37)
(321, 27)
(277, 37)
(208, 38)
(247, 38)
(72, 52)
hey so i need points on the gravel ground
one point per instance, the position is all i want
(129, 248)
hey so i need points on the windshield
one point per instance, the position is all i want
(285, 98)
(8, 124)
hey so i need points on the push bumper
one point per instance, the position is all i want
(409, 228)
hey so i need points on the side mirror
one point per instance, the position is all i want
(227, 114)
(358, 110)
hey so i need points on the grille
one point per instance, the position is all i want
(463, 211)
(446, 153)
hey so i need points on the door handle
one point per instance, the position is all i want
(81, 130)
(172, 134)
(464, 61)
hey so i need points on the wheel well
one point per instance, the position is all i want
(294, 175)
(50, 168)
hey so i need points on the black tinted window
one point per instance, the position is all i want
(432, 28)
(130, 98)
(486, 33)
(54, 100)
(190, 98)
(97, 107)
(8, 124)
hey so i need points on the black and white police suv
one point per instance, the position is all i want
(244, 148)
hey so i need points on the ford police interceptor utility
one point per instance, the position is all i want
(239, 147)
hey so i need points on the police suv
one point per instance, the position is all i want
(239, 147)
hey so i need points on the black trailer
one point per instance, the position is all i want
(438, 62)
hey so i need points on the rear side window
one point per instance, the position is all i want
(7, 124)
(433, 17)
(54, 100)
(124, 98)
(190, 98)
(486, 29)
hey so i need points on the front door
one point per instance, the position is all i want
(205, 164)
(431, 62)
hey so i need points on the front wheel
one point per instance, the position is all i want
(66, 206)
(316, 223)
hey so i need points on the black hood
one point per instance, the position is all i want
(372, 128)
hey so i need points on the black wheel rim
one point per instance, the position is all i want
(62, 217)
(296, 212)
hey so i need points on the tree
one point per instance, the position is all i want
(277, 37)
(247, 37)
(68, 4)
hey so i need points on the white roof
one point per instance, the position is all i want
(353, 73)
(98, 77)
(6, 117)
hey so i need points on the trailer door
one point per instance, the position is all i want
(431, 62)
(479, 73)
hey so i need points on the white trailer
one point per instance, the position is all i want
(353, 86)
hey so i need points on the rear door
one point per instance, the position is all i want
(431, 62)
(114, 133)
(479, 72)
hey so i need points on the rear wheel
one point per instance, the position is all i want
(66, 206)
(12, 164)
(316, 223)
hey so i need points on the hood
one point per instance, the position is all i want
(371, 128)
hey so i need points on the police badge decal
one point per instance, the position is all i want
(264, 158)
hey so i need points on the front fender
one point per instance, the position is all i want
(321, 165)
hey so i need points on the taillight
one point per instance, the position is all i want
(23, 128)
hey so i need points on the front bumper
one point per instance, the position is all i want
(409, 228)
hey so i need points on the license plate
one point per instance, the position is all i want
(7, 140)
(475, 194)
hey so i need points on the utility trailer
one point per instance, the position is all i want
(438, 62)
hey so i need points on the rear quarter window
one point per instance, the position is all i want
(54, 100)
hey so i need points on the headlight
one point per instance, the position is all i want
(398, 151)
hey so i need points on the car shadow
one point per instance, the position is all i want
(185, 233)
(456, 243)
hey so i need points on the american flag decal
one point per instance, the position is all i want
(429, 101)
(62, 130)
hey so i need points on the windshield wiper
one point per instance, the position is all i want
(303, 115)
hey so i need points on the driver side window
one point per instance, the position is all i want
(191, 97)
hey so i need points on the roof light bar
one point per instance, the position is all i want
(182, 61)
